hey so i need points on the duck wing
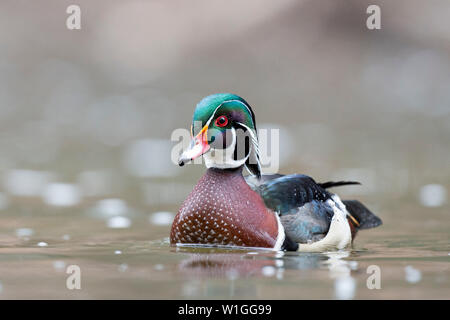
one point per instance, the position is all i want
(254, 182)
(301, 204)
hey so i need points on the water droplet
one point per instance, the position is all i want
(268, 271)
(42, 244)
(61, 194)
(159, 267)
(119, 222)
(433, 195)
(111, 207)
(344, 288)
(123, 267)
(161, 218)
(279, 263)
(412, 275)
(24, 232)
(59, 265)
(353, 265)
(117, 252)
(26, 183)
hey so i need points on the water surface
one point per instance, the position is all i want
(137, 262)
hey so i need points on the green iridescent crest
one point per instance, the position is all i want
(234, 107)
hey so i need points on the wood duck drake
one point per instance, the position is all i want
(282, 212)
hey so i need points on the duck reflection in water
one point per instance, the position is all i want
(205, 264)
(224, 263)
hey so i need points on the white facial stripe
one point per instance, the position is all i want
(254, 137)
(255, 147)
(223, 158)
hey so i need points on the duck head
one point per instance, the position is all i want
(223, 130)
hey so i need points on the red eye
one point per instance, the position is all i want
(221, 121)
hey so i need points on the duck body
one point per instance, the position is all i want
(280, 212)
(222, 209)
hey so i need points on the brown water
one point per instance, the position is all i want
(413, 257)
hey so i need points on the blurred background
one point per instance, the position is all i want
(86, 118)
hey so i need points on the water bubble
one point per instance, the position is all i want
(117, 252)
(61, 195)
(66, 237)
(344, 288)
(119, 222)
(162, 218)
(433, 195)
(42, 244)
(24, 232)
(412, 275)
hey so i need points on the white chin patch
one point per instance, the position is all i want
(223, 158)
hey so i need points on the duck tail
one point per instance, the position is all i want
(364, 217)
(332, 184)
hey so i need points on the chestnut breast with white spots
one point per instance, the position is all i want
(222, 209)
